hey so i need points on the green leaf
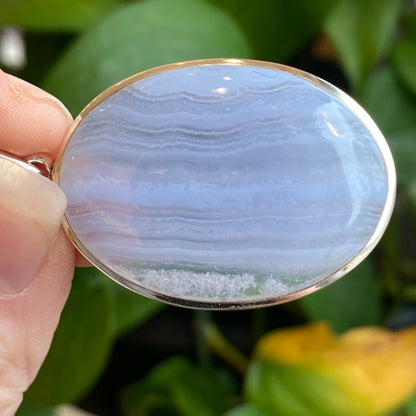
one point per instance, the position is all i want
(404, 60)
(81, 346)
(140, 36)
(245, 410)
(285, 390)
(129, 308)
(354, 300)
(54, 15)
(411, 193)
(408, 409)
(399, 412)
(403, 53)
(409, 24)
(394, 110)
(410, 406)
(27, 409)
(278, 29)
(176, 387)
(361, 32)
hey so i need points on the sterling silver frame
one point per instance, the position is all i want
(199, 303)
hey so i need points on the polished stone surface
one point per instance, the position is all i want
(223, 183)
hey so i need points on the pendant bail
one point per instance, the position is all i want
(34, 164)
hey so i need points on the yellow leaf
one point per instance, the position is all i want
(373, 367)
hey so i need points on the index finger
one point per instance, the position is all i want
(32, 121)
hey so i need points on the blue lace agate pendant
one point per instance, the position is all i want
(225, 183)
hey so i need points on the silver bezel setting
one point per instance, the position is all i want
(200, 303)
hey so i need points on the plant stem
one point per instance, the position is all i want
(218, 344)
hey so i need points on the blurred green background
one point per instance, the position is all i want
(116, 353)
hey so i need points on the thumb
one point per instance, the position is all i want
(36, 266)
(31, 209)
(36, 258)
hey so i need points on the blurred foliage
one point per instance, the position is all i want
(140, 36)
(393, 108)
(361, 32)
(363, 372)
(348, 302)
(178, 387)
(78, 48)
(54, 15)
(277, 30)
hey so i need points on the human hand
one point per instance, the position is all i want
(36, 258)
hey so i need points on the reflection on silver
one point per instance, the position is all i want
(35, 164)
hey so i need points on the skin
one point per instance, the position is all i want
(31, 123)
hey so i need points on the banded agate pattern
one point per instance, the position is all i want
(225, 183)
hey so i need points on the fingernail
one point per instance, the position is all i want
(31, 210)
